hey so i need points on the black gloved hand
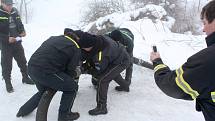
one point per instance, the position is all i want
(78, 71)
(97, 66)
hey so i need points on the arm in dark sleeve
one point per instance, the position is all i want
(165, 80)
(4, 28)
(75, 55)
(20, 25)
(130, 47)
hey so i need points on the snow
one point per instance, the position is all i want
(118, 19)
(144, 102)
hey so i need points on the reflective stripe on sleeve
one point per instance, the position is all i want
(160, 66)
(3, 18)
(184, 85)
(100, 55)
(213, 96)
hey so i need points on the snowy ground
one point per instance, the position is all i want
(144, 102)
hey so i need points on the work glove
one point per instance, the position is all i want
(97, 66)
(77, 73)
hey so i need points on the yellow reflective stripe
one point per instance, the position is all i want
(100, 55)
(160, 66)
(18, 17)
(213, 96)
(73, 41)
(3, 18)
(184, 85)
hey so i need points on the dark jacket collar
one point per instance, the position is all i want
(100, 45)
(210, 39)
(2, 10)
(12, 12)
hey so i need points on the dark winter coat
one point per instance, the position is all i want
(107, 60)
(125, 37)
(57, 54)
(11, 26)
(193, 80)
(109, 54)
(4, 24)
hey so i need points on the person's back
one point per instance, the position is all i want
(123, 36)
(54, 54)
(53, 66)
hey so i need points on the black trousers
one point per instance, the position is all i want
(9, 52)
(126, 81)
(59, 82)
(129, 70)
(110, 74)
(128, 75)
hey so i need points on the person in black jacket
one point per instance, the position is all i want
(53, 66)
(11, 32)
(126, 38)
(105, 60)
(194, 80)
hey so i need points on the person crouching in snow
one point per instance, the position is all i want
(53, 66)
(107, 59)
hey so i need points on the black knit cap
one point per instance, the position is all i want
(116, 35)
(7, 2)
(86, 40)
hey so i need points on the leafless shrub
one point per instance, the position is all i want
(101, 8)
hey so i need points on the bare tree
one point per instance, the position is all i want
(187, 16)
(23, 9)
(101, 8)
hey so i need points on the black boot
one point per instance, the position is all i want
(100, 109)
(66, 104)
(120, 88)
(68, 116)
(27, 80)
(9, 86)
(20, 113)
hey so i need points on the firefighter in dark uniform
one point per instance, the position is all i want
(11, 32)
(53, 66)
(126, 38)
(105, 60)
(194, 80)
